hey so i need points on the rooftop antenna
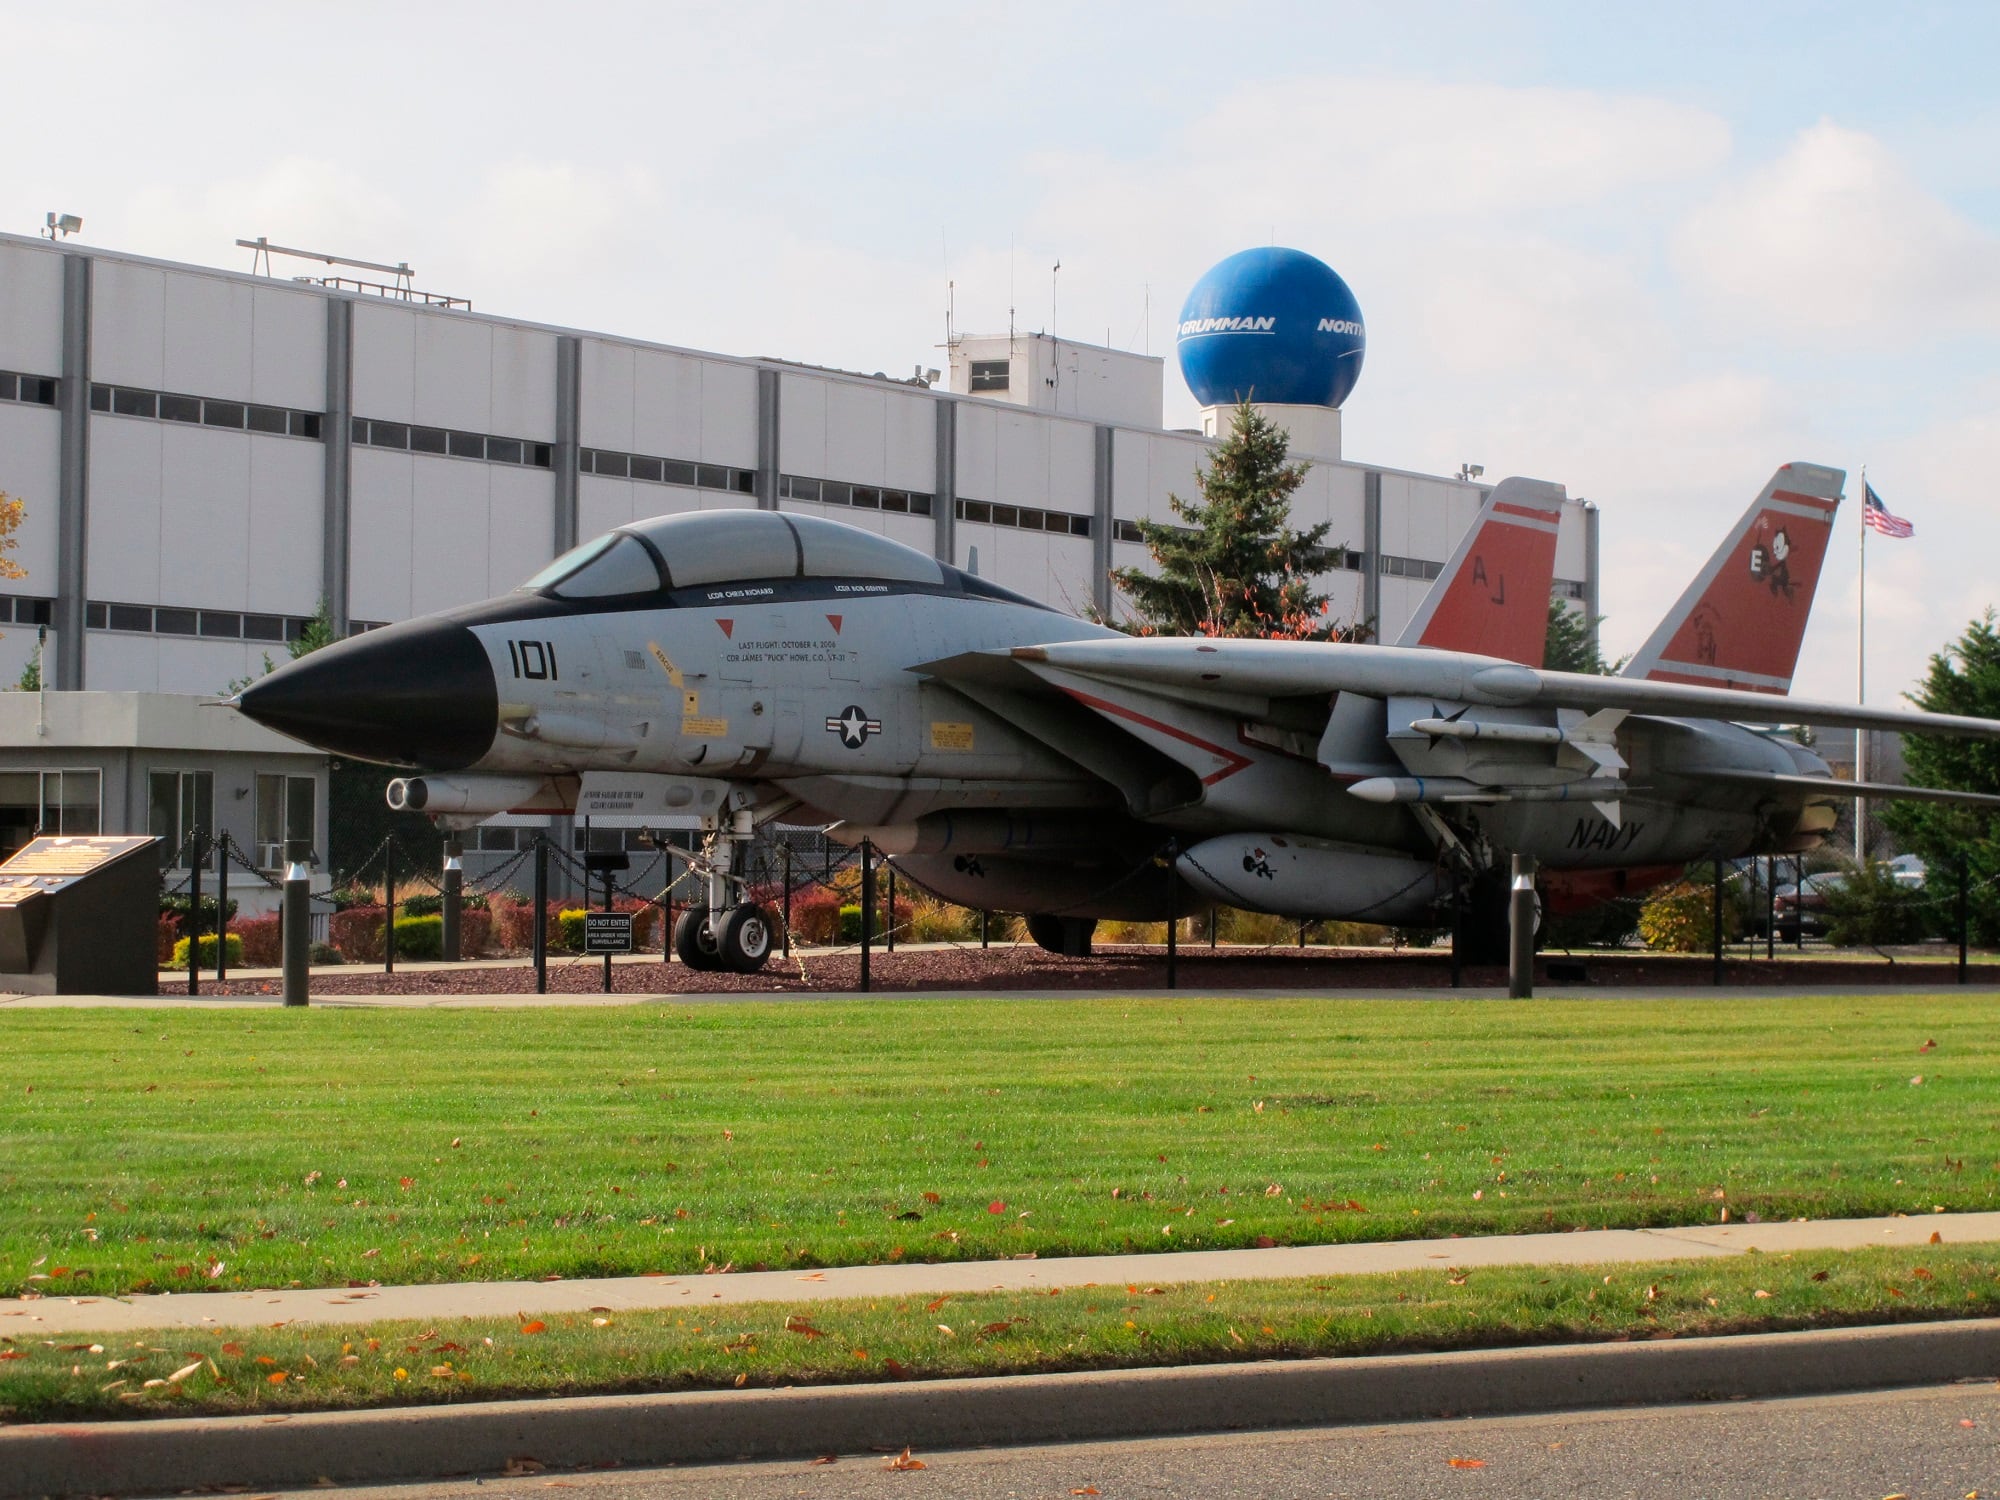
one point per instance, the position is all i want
(1010, 294)
(1055, 281)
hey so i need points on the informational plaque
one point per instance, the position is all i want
(79, 914)
(607, 932)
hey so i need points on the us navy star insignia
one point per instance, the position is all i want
(853, 726)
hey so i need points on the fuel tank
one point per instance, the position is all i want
(1122, 888)
(1303, 877)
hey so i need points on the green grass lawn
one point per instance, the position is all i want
(299, 1367)
(173, 1149)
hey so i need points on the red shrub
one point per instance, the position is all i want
(263, 940)
(169, 933)
(475, 934)
(357, 934)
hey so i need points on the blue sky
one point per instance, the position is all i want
(1650, 254)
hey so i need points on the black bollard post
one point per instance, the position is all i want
(1211, 927)
(1173, 926)
(889, 921)
(1771, 907)
(1302, 935)
(1715, 918)
(389, 910)
(1457, 929)
(454, 901)
(296, 925)
(608, 893)
(1521, 930)
(1964, 916)
(541, 928)
(787, 935)
(221, 908)
(867, 908)
(1799, 903)
(194, 915)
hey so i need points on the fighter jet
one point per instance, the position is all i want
(754, 666)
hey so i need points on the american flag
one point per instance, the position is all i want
(1876, 515)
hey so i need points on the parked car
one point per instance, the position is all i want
(1801, 910)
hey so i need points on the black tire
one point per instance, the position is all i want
(745, 940)
(694, 942)
(1066, 937)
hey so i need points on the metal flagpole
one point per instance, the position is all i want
(1861, 685)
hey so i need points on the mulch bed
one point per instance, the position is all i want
(943, 970)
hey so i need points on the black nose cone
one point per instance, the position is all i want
(416, 694)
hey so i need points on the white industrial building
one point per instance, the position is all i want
(205, 455)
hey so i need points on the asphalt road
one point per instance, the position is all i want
(1941, 1442)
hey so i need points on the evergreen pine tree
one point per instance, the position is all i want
(1234, 566)
(1964, 678)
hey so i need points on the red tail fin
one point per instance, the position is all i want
(1740, 622)
(1493, 596)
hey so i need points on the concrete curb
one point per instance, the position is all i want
(413, 1443)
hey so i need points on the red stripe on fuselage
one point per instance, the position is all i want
(1104, 705)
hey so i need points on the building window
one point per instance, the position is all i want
(1570, 588)
(166, 406)
(25, 611)
(861, 496)
(36, 390)
(284, 811)
(446, 444)
(179, 804)
(989, 375)
(1025, 518)
(145, 619)
(1409, 567)
(48, 802)
(673, 471)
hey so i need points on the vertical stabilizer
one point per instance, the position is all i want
(1741, 621)
(1493, 596)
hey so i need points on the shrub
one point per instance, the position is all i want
(263, 940)
(233, 949)
(816, 916)
(420, 938)
(422, 904)
(176, 905)
(1869, 909)
(324, 953)
(566, 932)
(475, 932)
(1680, 918)
(357, 933)
(167, 934)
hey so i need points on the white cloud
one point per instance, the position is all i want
(1835, 238)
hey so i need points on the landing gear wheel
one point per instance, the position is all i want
(694, 942)
(745, 940)
(1067, 937)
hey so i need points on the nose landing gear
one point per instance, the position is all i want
(726, 933)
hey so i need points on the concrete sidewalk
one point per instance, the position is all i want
(54, 1314)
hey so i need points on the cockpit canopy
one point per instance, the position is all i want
(727, 546)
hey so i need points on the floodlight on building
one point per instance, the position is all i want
(1471, 471)
(60, 225)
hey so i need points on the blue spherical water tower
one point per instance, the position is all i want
(1274, 326)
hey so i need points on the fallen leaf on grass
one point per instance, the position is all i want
(184, 1371)
(903, 1461)
(1818, 1276)
(534, 1325)
(797, 1324)
(996, 1207)
(1936, 1238)
(1466, 1463)
(279, 1377)
(232, 1347)
(931, 1307)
